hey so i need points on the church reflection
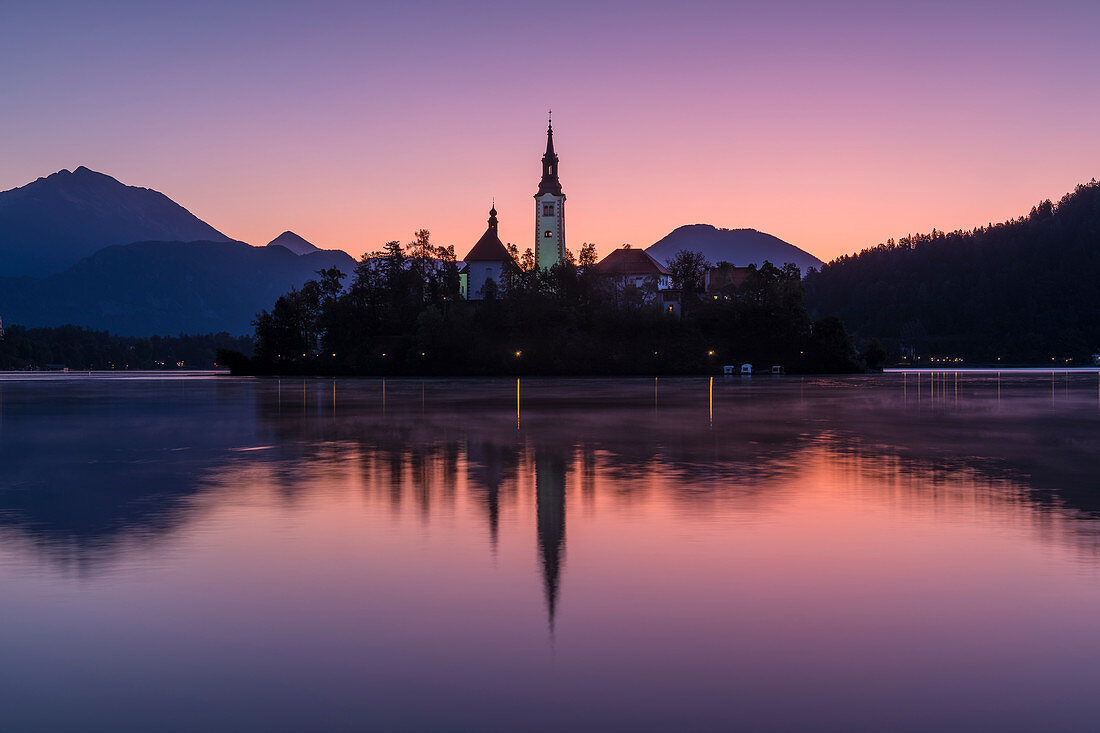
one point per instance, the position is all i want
(493, 473)
(110, 476)
(491, 467)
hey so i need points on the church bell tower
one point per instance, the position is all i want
(549, 210)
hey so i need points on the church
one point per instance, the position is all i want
(488, 259)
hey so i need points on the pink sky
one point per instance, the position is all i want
(832, 128)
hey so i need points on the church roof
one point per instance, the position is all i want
(489, 248)
(629, 261)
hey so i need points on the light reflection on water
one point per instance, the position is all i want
(896, 551)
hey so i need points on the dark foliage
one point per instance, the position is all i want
(688, 270)
(874, 355)
(81, 348)
(402, 314)
(1022, 291)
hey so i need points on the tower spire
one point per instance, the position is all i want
(549, 182)
(550, 137)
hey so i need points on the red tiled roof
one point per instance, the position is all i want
(488, 249)
(722, 277)
(630, 261)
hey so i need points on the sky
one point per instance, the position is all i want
(831, 125)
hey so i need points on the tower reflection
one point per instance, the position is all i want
(88, 477)
(550, 509)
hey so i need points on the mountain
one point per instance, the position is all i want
(1023, 291)
(55, 221)
(150, 288)
(294, 243)
(737, 246)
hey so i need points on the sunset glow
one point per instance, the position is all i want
(832, 127)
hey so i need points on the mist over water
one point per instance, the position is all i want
(898, 551)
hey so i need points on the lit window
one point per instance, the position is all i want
(547, 234)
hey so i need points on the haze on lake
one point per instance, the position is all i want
(895, 551)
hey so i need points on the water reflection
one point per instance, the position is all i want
(402, 489)
(87, 463)
(550, 500)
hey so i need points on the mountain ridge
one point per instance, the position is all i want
(165, 288)
(56, 220)
(736, 246)
(294, 243)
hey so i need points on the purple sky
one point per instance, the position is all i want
(833, 127)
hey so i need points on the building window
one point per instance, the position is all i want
(547, 209)
(547, 234)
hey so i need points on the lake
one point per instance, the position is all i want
(904, 551)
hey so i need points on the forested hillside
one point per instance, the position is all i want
(1023, 291)
(80, 348)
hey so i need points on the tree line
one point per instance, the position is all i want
(82, 348)
(401, 313)
(1023, 291)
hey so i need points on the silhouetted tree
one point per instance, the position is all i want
(588, 255)
(688, 270)
(874, 355)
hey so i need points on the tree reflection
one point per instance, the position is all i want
(93, 469)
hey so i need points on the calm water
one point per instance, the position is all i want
(897, 552)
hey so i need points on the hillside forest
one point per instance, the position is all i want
(1024, 291)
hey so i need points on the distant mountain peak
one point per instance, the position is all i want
(81, 172)
(52, 222)
(737, 246)
(294, 243)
